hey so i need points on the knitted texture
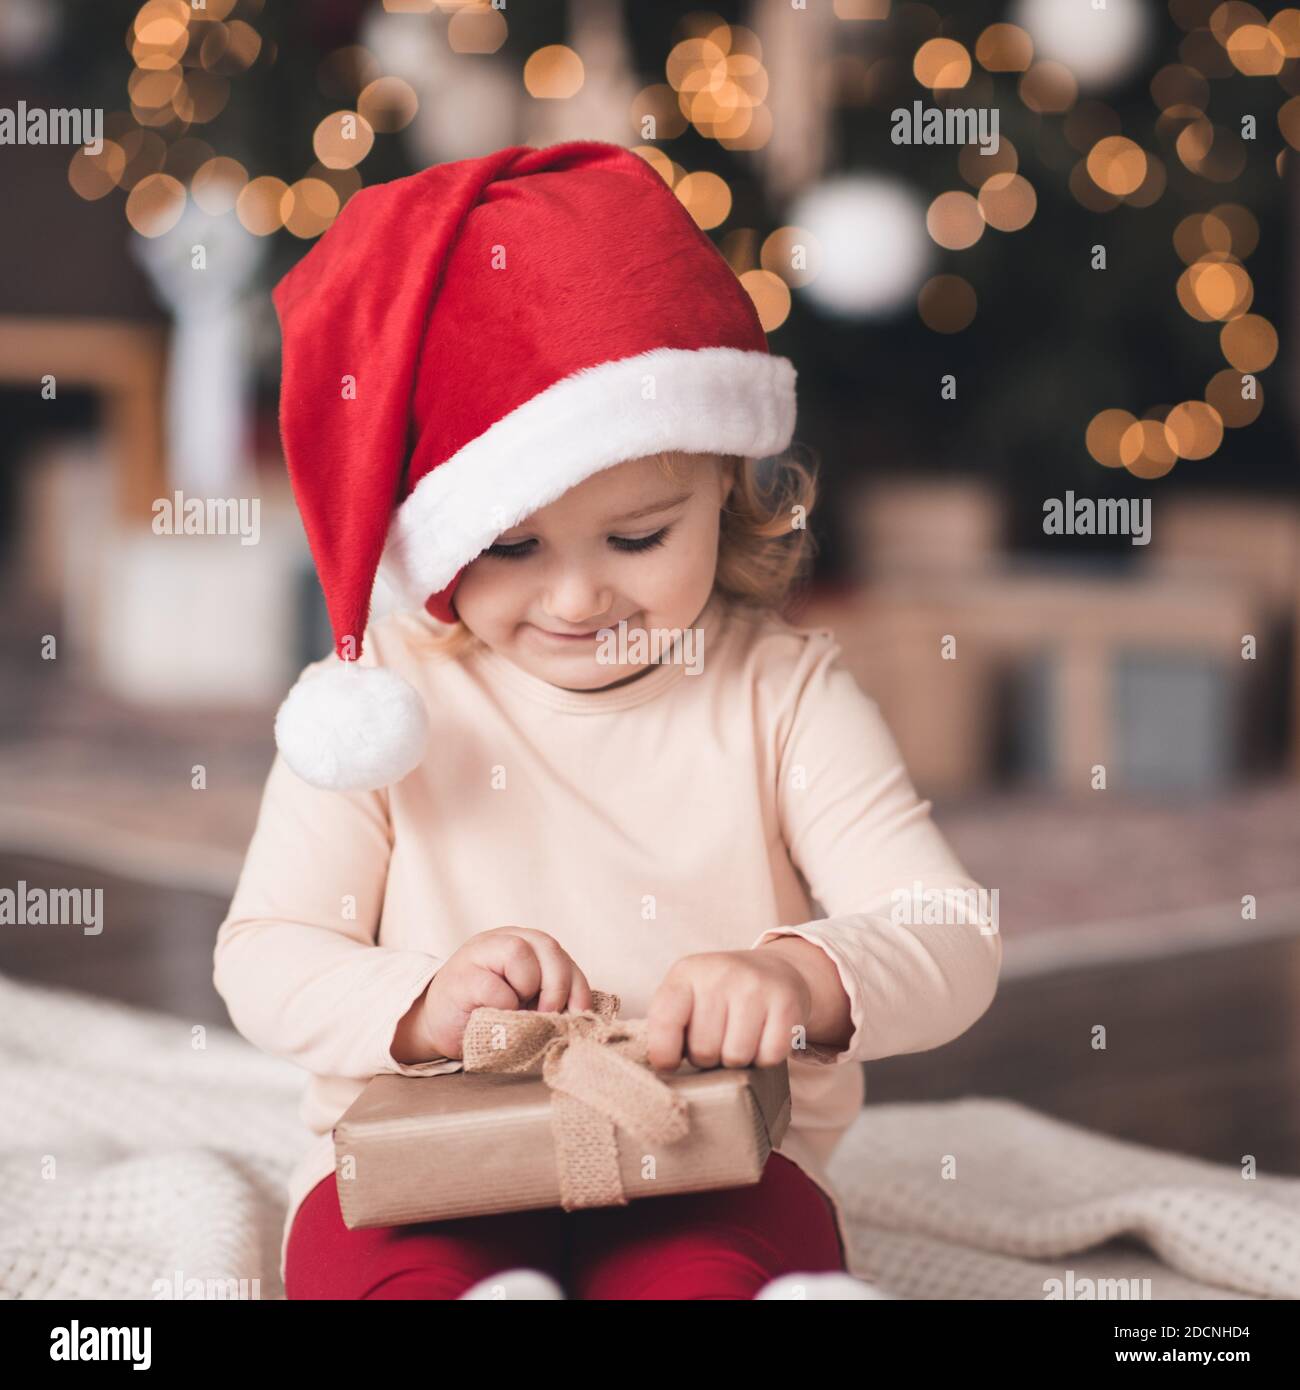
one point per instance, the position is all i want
(1027, 1193)
(169, 1158)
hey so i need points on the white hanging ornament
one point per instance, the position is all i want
(201, 269)
(875, 250)
(1100, 44)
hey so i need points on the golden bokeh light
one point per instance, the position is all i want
(308, 207)
(659, 162)
(771, 296)
(388, 104)
(1117, 165)
(1194, 430)
(1224, 393)
(1243, 229)
(1210, 151)
(342, 140)
(941, 64)
(1144, 449)
(154, 87)
(1288, 122)
(1048, 89)
(553, 73)
(94, 175)
(259, 203)
(1249, 343)
(954, 220)
(145, 153)
(861, 9)
(1200, 234)
(1148, 193)
(975, 167)
(1215, 289)
(1225, 19)
(216, 184)
(1103, 435)
(1008, 202)
(1285, 25)
(689, 57)
(1256, 51)
(946, 304)
(706, 197)
(229, 49)
(154, 206)
(655, 113)
(793, 253)
(1004, 48)
(344, 182)
(477, 29)
(1193, 143)
(737, 39)
(1178, 85)
(1087, 194)
(160, 26)
(757, 133)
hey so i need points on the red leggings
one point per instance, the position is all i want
(722, 1244)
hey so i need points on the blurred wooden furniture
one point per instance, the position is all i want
(1252, 542)
(124, 363)
(942, 711)
(928, 527)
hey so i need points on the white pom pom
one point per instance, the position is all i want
(352, 728)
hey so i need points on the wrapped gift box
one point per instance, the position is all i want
(435, 1148)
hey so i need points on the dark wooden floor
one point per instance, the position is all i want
(1202, 1051)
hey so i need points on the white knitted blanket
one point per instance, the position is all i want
(138, 1155)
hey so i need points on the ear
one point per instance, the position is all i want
(731, 467)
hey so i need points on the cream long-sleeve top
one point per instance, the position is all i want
(685, 811)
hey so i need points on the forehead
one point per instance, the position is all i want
(626, 487)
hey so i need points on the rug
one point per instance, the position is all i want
(143, 1157)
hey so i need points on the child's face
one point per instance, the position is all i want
(586, 562)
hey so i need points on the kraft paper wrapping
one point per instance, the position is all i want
(493, 1138)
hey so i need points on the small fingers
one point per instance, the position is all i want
(667, 1019)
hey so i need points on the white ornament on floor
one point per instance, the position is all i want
(515, 1284)
(820, 1288)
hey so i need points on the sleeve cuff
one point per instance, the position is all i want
(386, 1063)
(815, 1052)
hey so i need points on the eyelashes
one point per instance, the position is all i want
(645, 543)
(521, 549)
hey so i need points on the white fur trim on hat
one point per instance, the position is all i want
(720, 400)
(352, 728)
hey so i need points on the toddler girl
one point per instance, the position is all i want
(583, 750)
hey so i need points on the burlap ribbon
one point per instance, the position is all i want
(600, 1080)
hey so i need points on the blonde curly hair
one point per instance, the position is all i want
(765, 548)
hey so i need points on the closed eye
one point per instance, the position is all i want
(520, 549)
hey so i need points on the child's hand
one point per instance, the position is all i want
(505, 968)
(737, 1008)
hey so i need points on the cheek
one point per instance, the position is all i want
(484, 597)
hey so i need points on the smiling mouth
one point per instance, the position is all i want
(569, 636)
(578, 636)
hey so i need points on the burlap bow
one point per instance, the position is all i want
(600, 1079)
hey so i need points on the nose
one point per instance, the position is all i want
(577, 595)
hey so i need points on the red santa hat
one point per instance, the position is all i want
(462, 347)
